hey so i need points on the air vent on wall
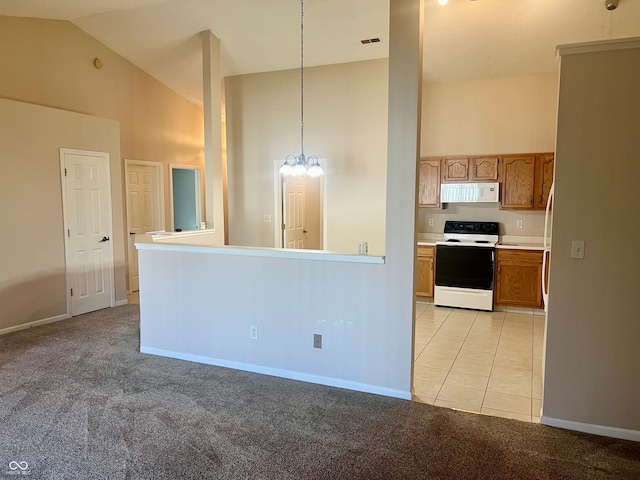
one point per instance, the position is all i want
(370, 40)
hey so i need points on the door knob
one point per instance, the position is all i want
(104, 239)
(304, 231)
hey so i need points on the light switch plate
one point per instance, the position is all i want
(577, 249)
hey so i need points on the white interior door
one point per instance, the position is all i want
(143, 206)
(87, 215)
(313, 212)
(293, 212)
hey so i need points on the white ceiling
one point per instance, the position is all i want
(463, 40)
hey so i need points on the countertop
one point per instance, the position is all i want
(510, 242)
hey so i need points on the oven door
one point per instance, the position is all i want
(465, 267)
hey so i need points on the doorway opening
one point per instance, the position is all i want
(300, 206)
(186, 197)
(144, 187)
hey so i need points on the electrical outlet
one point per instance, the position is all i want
(266, 219)
(432, 222)
(253, 332)
(518, 223)
(577, 249)
(317, 340)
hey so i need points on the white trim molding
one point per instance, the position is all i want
(614, 432)
(598, 46)
(35, 323)
(152, 242)
(277, 372)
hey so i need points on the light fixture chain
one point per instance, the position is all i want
(300, 165)
(302, 77)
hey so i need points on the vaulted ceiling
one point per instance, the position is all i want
(466, 39)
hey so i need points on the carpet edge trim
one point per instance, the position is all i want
(277, 372)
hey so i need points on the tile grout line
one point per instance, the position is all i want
(459, 350)
(427, 344)
(486, 389)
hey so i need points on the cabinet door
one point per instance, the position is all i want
(456, 169)
(485, 168)
(429, 184)
(518, 278)
(518, 180)
(544, 179)
(424, 272)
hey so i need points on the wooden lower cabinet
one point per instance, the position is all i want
(424, 271)
(518, 280)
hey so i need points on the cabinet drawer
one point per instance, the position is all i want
(426, 251)
(529, 256)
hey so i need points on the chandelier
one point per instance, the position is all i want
(300, 165)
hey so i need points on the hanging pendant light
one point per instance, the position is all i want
(298, 165)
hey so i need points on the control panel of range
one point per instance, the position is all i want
(483, 228)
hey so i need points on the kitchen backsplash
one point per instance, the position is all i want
(532, 221)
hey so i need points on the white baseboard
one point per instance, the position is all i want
(119, 303)
(614, 432)
(277, 372)
(35, 323)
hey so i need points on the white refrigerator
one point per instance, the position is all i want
(546, 255)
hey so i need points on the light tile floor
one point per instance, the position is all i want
(484, 362)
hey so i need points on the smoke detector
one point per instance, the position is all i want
(611, 4)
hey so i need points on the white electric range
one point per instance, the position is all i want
(465, 262)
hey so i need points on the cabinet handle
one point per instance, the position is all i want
(499, 269)
(540, 199)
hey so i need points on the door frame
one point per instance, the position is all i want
(278, 205)
(198, 180)
(158, 198)
(65, 223)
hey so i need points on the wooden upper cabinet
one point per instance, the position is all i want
(429, 184)
(544, 179)
(518, 179)
(484, 168)
(525, 179)
(455, 170)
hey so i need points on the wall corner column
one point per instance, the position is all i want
(213, 159)
(403, 149)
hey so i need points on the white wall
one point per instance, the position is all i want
(593, 328)
(345, 122)
(490, 116)
(32, 261)
(200, 305)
